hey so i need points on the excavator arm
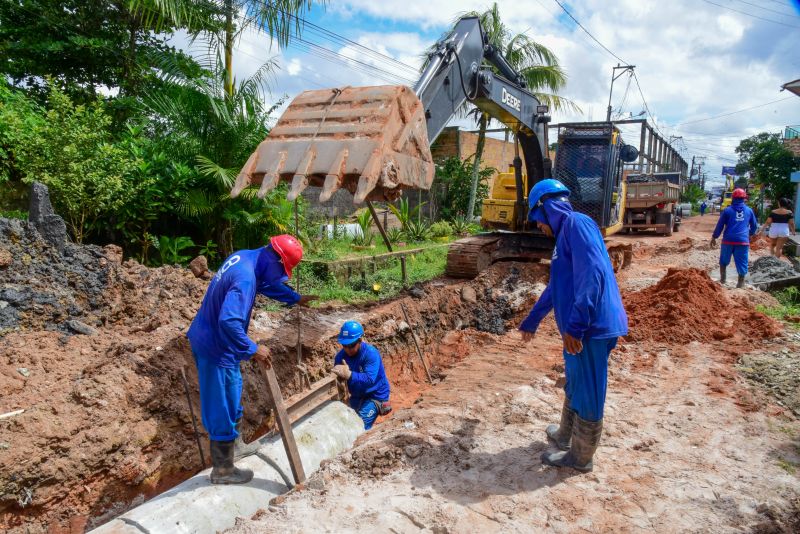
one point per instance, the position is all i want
(375, 141)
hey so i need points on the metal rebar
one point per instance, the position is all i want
(194, 419)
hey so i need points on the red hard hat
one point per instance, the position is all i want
(739, 193)
(289, 249)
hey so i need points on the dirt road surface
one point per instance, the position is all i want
(689, 445)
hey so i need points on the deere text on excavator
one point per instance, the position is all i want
(375, 142)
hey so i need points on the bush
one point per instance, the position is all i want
(395, 235)
(441, 229)
(457, 174)
(417, 231)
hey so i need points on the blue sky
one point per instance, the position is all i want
(695, 58)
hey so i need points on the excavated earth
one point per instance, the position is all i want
(700, 433)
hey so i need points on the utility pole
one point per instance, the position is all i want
(614, 76)
(691, 171)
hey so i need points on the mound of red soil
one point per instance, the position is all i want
(686, 305)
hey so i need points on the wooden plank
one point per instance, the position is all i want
(285, 427)
(303, 403)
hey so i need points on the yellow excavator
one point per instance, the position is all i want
(375, 143)
(727, 195)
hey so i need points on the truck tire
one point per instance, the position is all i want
(669, 225)
(676, 227)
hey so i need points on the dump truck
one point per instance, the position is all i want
(652, 204)
(375, 143)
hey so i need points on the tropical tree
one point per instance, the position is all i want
(222, 25)
(769, 162)
(537, 65)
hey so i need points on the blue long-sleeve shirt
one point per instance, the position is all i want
(739, 223)
(219, 330)
(368, 379)
(582, 290)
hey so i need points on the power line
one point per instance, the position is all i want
(735, 112)
(784, 13)
(751, 15)
(604, 47)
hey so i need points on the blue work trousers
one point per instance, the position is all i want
(740, 255)
(220, 398)
(587, 377)
(366, 410)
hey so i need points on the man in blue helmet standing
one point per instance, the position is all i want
(360, 365)
(584, 296)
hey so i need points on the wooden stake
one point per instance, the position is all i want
(378, 224)
(285, 426)
(403, 271)
(416, 344)
(194, 420)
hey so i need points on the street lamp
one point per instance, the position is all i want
(614, 76)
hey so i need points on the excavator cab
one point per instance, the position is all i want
(589, 162)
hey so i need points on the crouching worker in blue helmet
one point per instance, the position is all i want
(360, 365)
(219, 340)
(584, 296)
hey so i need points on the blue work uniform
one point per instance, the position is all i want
(367, 383)
(739, 224)
(584, 296)
(703, 209)
(218, 333)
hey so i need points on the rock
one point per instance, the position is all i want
(81, 328)
(468, 295)
(5, 258)
(403, 326)
(164, 294)
(24, 371)
(417, 292)
(199, 266)
(113, 254)
(41, 215)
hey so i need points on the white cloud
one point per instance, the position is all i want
(294, 67)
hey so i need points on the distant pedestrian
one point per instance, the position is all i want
(739, 224)
(781, 226)
(703, 207)
(585, 299)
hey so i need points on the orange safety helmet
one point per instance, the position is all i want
(289, 249)
(739, 193)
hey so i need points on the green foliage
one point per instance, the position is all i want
(395, 235)
(417, 231)
(364, 220)
(403, 213)
(462, 227)
(770, 162)
(457, 174)
(441, 229)
(420, 267)
(69, 148)
(693, 194)
(14, 214)
(209, 250)
(789, 306)
(170, 248)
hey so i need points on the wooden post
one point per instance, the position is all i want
(416, 344)
(285, 426)
(403, 270)
(378, 224)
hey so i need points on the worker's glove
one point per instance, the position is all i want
(342, 371)
(713, 243)
(305, 300)
(263, 357)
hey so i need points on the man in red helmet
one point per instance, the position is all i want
(737, 224)
(219, 340)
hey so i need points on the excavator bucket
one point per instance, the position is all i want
(372, 141)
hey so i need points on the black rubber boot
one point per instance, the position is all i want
(224, 472)
(240, 448)
(562, 432)
(585, 439)
(722, 275)
(740, 283)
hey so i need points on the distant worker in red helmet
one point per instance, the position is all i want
(219, 340)
(737, 224)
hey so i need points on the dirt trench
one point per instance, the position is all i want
(105, 422)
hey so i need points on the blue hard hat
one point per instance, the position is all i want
(545, 188)
(351, 332)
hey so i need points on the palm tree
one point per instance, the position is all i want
(537, 65)
(221, 23)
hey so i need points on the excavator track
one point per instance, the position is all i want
(469, 256)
